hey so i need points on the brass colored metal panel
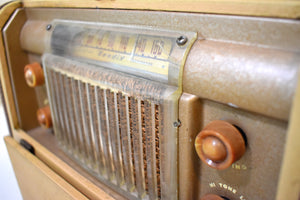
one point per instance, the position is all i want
(36, 180)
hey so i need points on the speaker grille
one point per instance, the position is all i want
(111, 133)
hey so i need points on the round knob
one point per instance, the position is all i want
(220, 144)
(34, 74)
(44, 117)
(211, 197)
(214, 149)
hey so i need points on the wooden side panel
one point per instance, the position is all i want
(82, 184)
(5, 14)
(24, 96)
(289, 182)
(277, 8)
(36, 180)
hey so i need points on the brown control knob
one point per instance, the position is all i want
(211, 197)
(220, 144)
(34, 74)
(44, 117)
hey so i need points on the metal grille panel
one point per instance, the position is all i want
(113, 135)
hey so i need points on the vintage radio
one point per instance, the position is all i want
(153, 100)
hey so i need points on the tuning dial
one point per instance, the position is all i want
(44, 117)
(220, 144)
(212, 197)
(34, 74)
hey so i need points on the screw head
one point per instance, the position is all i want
(48, 27)
(177, 124)
(181, 40)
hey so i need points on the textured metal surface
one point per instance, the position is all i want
(267, 32)
(256, 79)
(255, 175)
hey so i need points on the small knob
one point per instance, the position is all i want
(44, 117)
(220, 144)
(34, 74)
(211, 197)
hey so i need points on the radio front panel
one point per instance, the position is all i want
(158, 105)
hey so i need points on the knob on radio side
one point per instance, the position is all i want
(220, 144)
(34, 74)
(44, 117)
